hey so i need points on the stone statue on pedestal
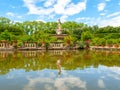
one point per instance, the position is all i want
(59, 30)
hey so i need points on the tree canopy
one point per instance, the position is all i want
(38, 30)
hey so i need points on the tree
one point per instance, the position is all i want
(4, 24)
(5, 35)
(69, 40)
(86, 37)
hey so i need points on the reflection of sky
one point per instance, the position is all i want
(65, 82)
(101, 78)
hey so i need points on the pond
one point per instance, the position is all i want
(59, 70)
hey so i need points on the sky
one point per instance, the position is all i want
(91, 12)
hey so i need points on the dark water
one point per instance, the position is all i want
(59, 70)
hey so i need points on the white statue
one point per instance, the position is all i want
(59, 30)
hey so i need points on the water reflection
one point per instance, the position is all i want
(66, 82)
(71, 60)
(59, 66)
(59, 70)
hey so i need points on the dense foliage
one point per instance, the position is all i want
(39, 31)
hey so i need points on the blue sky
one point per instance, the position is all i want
(91, 12)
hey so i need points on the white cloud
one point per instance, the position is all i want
(33, 9)
(111, 19)
(10, 14)
(61, 4)
(49, 3)
(14, 16)
(102, 14)
(113, 14)
(19, 17)
(40, 20)
(51, 16)
(101, 6)
(63, 18)
(108, 19)
(115, 21)
(39, 10)
(64, 7)
(86, 20)
(56, 7)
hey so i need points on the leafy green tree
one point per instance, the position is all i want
(5, 35)
(69, 40)
(86, 36)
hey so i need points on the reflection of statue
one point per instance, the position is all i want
(59, 66)
(59, 30)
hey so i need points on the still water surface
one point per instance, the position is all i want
(59, 70)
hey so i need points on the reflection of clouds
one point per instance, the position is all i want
(10, 76)
(34, 81)
(65, 83)
(115, 72)
(47, 79)
(114, 76)
(48, 87)
(101, 83)
(14, 74)
(115, 69)
(52, 75)
(52, 83)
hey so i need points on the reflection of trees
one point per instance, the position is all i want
(39, 60)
